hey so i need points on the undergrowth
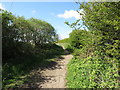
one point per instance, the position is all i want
(16, 71)
(92, 70)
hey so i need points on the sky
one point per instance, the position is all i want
(55, 13)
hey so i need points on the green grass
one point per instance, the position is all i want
(66, 40)
(16, 71)
(64, 45)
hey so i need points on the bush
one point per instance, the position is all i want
(97, 63)
(91, 72)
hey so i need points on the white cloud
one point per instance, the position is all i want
(1, 6)
(34, 11)
(72, 13)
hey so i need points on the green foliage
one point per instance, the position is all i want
(96, 64)
(75, 25)
(66, 40)
(21, 66)
(80, 38)
(65, 43)
(43, 31)
(19, 35)
(26, 44)
(92, 73)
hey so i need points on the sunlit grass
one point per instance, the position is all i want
(64, 45)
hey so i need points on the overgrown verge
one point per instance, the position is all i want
(96, 62)
(93, 71)
(26, 44)
(17, 70)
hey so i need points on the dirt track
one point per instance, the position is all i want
(53, 76)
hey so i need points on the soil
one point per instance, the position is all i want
(53, 76)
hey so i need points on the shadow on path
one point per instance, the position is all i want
(48, 76)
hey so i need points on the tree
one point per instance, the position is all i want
(20, 34)
(80, 38)
(43, 32)
(9, 33)
(104, 19)
(102, 65)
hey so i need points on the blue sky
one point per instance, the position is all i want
(56, 13)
